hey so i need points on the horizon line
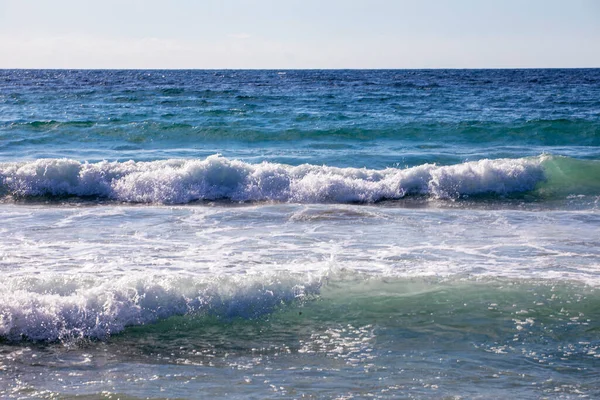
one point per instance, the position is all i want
(286, 69)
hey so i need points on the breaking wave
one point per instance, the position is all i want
(52, 308)
(218, 178)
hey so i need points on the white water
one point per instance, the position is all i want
(183, 181)
(93, 270)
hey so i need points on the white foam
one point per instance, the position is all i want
(216, 177)
(58, 308)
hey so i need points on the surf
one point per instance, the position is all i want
(51, 308)
(183, 181)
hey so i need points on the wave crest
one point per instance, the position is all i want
(217, 178)
(50, 309)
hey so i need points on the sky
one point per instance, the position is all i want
(289, 34)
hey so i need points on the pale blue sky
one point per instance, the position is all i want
(299, 34)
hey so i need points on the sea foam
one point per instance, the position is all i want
(217, 178)
(51, 308)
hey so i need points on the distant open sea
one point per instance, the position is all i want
(300, 234)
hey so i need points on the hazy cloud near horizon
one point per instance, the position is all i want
(299, 34)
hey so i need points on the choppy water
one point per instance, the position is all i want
(289, 234)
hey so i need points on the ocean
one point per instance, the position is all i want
(299, 234)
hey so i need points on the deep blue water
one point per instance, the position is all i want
(372, 119)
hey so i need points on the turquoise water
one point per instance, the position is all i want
(290, 234)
